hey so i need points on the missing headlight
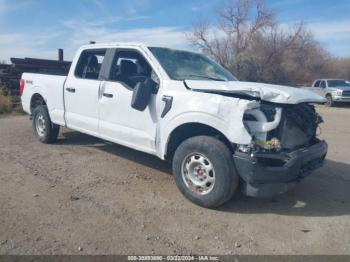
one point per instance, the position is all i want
(260, 121)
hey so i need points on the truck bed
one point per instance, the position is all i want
(51, 86)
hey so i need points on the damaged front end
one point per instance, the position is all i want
(284, 147)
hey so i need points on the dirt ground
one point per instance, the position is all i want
(85, 196)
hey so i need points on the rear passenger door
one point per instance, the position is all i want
(323, 86)
(81, 92)
(316, 86)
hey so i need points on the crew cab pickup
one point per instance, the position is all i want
(181, 106)
(334, 90)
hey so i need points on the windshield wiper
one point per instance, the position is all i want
(207, 77)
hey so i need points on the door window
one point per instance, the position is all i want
(130, 67)
(89, 64)
(323, 84)
(317, 83)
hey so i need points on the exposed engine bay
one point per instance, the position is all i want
(284, 147)
(282, 127)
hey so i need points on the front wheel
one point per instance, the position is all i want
(330, 101)
(204, 171)
(43, 128)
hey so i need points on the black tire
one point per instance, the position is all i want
(48, 132)
(219, 156)
(330, 101)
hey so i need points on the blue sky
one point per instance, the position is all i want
(36, 28)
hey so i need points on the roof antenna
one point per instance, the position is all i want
(92, 42)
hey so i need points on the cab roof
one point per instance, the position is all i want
(114, 44)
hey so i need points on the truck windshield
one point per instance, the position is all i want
(335, 83)
(184, 65)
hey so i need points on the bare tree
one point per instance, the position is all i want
(248, 41)
(230, 39)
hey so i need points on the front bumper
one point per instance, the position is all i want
(268, 174)
(345, 99)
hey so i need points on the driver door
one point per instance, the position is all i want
(118, 121)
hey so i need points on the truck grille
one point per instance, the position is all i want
(346, 93)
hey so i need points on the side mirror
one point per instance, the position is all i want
(142, 94)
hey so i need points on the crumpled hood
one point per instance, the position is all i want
(266, 92)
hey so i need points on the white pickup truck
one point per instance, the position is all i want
(183, 107)
(334, 90)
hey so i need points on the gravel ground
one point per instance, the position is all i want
(85, 196)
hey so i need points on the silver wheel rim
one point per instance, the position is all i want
(40, 125)
(198, 173)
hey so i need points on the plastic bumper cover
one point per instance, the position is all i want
(341, 98)
(268, 174)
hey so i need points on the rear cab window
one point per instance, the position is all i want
(317, 83)
(90, 63)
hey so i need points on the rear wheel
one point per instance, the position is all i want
(43, 128)
(204, 171)
(330, 101)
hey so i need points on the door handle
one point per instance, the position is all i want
(107, 95)
(70, 89)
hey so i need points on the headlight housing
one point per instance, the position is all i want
(337, 92)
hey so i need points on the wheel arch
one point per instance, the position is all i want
(191, 129)
(36, 100)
